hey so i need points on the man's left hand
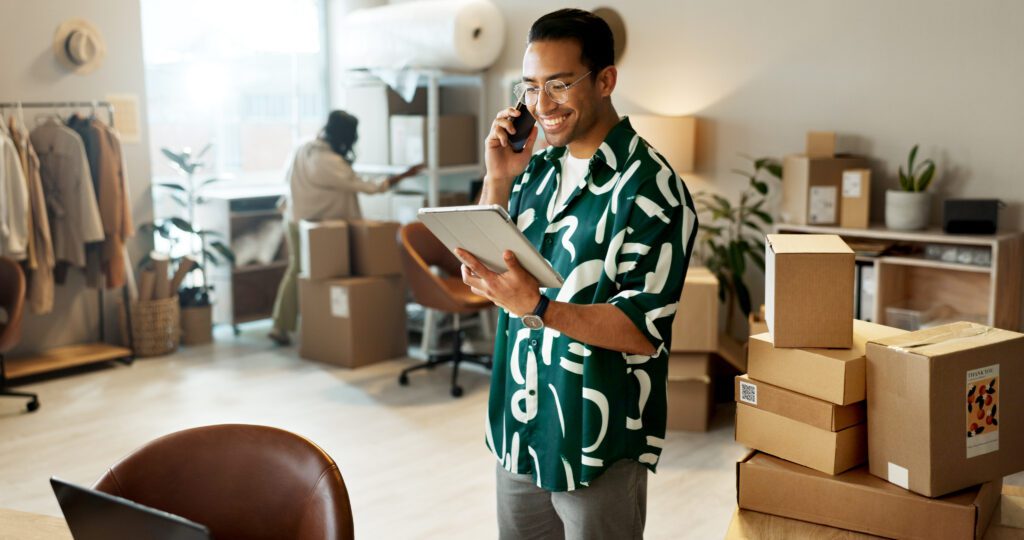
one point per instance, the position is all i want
(516, 290)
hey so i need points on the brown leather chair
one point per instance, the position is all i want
(12, 301)
(421, 250)
(241, 481)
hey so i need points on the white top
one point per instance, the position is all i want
(324, 186)
(574, 173)
(13, 201)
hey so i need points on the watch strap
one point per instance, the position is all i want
(542, 306)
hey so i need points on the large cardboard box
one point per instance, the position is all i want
(695, 326)
(375, 249)
(830, 452)
(373, 103)
(834, 375)
(690, 396)
(855, 204)
(811, 188)
(324, 249)
(858, 501)
(936, 404)
(809, 290)
(806, 409)
(457, 140)
(756, 322)
(353, 322)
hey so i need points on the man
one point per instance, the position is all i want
(577, 407)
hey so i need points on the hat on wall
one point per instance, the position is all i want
(79, 45)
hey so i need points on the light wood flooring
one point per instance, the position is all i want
(413, 457)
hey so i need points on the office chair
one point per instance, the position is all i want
(241, 481)
(421, 250)
(12, 301)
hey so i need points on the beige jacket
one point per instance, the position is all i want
(40, 246)
(324, 186)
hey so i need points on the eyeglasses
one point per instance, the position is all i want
(557, 90)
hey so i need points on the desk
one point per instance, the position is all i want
(27, 526)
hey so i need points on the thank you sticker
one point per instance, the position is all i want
(983, 412)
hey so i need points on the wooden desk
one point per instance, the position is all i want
(15, 525)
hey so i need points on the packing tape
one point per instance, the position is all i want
(942, 334)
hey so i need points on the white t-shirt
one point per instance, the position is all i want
(574, 173)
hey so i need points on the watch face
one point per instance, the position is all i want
(532, 322)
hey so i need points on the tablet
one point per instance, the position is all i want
(487, 231)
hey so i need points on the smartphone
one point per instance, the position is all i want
(523, 125)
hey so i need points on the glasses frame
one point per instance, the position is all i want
(521, 88)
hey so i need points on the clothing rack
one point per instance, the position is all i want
(83, 353)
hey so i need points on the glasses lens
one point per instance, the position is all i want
(557, 91)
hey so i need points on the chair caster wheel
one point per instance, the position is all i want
(456, 391)
(403, 379)
(32, 405)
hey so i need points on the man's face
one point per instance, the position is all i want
(561, 60)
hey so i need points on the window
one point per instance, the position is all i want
(247, 76)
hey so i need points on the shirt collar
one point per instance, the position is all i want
(612, 152)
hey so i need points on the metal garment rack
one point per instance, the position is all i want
(80, 354)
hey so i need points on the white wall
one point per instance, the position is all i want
(30, 72)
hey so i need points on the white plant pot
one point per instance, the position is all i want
(907, 210)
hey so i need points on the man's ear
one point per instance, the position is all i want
(606, 80)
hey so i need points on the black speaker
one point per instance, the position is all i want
(970, 216)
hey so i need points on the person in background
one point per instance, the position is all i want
(323, 186)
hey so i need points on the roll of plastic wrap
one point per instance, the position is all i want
(465, 35)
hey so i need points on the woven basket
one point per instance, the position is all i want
(156, 326)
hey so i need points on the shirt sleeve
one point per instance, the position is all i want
(336, 174)
(653, 257)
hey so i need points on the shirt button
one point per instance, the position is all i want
(533, 342)
(533, 392)
(547, 241)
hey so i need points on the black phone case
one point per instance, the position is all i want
(524, 125)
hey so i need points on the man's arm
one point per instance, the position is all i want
(599, 325)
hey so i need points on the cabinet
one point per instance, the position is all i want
(916, 277)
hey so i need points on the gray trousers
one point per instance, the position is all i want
(614, 506)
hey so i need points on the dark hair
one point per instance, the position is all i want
(340, 134)
(590, 31)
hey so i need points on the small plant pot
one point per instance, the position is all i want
(907, 210)
(197, 325)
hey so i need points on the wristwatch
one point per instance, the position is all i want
(535, 320)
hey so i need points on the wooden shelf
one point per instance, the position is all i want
(63, 358)
(249, 268)
(249, 214)
(879, 232)
(929, 263)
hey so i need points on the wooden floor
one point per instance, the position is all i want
(414, 458)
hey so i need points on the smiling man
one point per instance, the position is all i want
(577, 406)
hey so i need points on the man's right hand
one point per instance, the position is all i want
(503, 165)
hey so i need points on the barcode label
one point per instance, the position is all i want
(748, 393)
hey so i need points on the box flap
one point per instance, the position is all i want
(808, 243)
(948, 338)
(689, 367)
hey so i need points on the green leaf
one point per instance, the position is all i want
(209, 181)
(757, 258)
(763, 216)
(742, 296)
(926, 176)
(725, 204)
(169, 185)
(737, 263)
(710, 229)
(182, 224)
(760, 163)
(910, 161)
(182, 201)
(178, 160)
(224, 250)
(210, 256)
(204, 150)
(743, 173)
(760, 186)
(774, 169)
(754, 226)
(904, 182)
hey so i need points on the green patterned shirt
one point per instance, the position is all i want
(561, 410)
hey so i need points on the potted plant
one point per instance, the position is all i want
(187, 240)
(733, 234)
(907, 208)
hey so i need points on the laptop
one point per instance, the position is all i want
(94, 515)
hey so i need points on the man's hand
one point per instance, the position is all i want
(503, 165)
(516, 290)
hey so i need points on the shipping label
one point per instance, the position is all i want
(822, 206)
(983, 413)
(339, 302)
(852, 181)
(748, 393)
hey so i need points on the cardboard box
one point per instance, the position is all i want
(373, 103)
(855, 199)
(690, 403)
(858, 501)
(756, 322)
(802, 408)
(830, 452)
(695, 326)
(353, 322)
(821, 144)
(809, 290)
(811, 188)
(324, 249)
(196, 325)
(834, 375)
(375, 249)
(929, 431)
(457, 138)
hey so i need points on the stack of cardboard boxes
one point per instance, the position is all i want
(351, 293)
(802, 407)
(694, 340)
(821, 187)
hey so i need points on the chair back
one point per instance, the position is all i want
(421, 250)
(12, 302)
(241, 481)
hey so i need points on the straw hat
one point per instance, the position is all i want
(79, 45)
